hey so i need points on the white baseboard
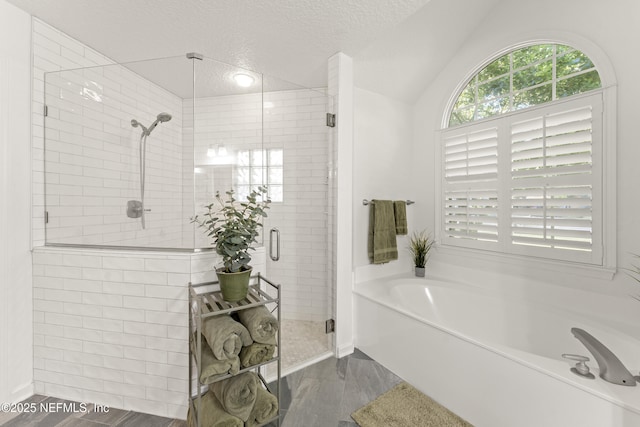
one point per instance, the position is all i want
(345, 350)
(22, 393)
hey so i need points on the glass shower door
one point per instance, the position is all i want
(273, 133)
(296, 159)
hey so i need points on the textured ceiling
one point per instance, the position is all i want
(289, 39)
(398, 46)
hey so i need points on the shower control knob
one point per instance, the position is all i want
(581, 367)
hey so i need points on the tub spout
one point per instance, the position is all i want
(611, 368)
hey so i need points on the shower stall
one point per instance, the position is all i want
(133, 151)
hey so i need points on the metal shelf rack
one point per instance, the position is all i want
(205, 300)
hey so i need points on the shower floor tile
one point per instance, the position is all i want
(301, 341)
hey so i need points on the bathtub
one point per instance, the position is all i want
(494, 360)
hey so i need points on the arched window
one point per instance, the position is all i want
(522, 158)
(523, 78)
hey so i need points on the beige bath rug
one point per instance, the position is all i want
(404, 406)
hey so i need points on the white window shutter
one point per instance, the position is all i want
(527, 183)
(470, 209)
(553, 179)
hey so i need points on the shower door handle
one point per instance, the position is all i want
(275, 231)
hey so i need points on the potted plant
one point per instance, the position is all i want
(234, 226)
(419, 245)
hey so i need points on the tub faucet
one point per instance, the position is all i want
(611, 368)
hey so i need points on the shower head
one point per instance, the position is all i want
(162, 117)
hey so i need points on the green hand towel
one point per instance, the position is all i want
(260, 323)
(266, 408)
(225, 336)
(212, 368)
(256, 353)
(382, 232)
(400, 213)
(237, 394)
(212, 414)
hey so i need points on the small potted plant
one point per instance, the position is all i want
(419, 245)
(234, 226)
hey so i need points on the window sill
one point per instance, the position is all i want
(519, 264)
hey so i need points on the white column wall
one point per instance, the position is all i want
(15, 258)
(341, 88)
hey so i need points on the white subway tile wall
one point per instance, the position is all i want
(111, 327)
(92, 156)
(52, 51)
(104, 332)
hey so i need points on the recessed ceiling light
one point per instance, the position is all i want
(243, 80)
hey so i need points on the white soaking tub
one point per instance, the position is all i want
(494, 360)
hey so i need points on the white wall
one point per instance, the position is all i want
(585, 24)
(382, 170)
(15, 176)
(341, 199)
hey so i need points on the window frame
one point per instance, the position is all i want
(606, 222)
(510, 76)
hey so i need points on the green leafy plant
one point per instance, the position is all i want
(419, 245)
(234, 226)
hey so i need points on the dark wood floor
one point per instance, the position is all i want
(321, 395)
(80, 416)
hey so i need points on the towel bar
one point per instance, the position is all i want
(365, 202)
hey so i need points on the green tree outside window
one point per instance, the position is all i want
(523, 78)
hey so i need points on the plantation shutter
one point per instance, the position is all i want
(470, 208)
(553, 181)
(527, 183)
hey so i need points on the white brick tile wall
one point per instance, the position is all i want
(124, 390)
(123, 364)
(92, 156)
(125, 339)
(124, 314)
(124, 343)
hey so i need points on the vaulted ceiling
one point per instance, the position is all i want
(397, 45)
